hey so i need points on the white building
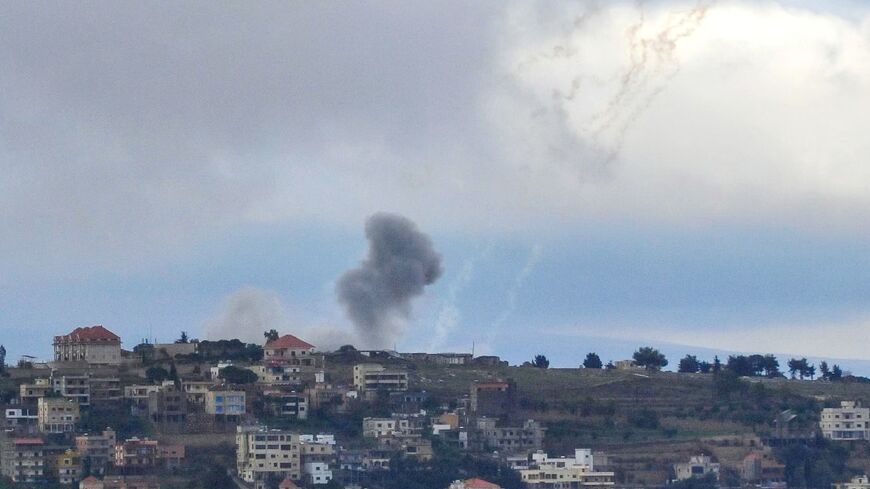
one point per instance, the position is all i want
(317, 472)
(847, 422)
(574, 472)
(698, 466)
(857, 482)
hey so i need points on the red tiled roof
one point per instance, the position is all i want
(287, 484)
(480, 484)
(289, 341)
(28, 441)
(97, 332)
(90, 478)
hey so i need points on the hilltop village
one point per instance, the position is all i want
(283, 414)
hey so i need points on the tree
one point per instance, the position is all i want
(541, 361)
(717, 365)
(610, 365)
(824, 370)
(236, 375)
(771, 366)
(704, 367)
(741, 365)
(810, 371)
(173, 373)
(2, 358)
(650, 358)
(689, 365)
(836, 373)
(156, 374)
(800, 367)
(592, 361)
(270, 335)
(183, 338)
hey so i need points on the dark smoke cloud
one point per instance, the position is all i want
(400, 263)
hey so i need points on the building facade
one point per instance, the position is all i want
(373, 377)
(94, 345)
(850, 421)
(57, 414)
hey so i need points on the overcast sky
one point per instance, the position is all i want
(594, 174)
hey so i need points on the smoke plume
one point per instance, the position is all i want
(248, 312)
(377, 295)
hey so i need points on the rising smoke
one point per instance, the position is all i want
(248, 312)
(377, 295)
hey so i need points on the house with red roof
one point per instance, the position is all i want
(474, 483)
(287, 360)
(91, 345)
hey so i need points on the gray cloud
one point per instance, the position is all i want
(377, 295)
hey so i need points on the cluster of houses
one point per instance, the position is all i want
(47, 435)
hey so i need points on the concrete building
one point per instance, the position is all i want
(121, 482)
(229, 404)
(196, 391)
(30, 392)
(94, 345)
(492, 398)
(316, 473)
(73, 386)
(22, 419)
(135, 453)
(262, 454)
(286, 404)
(370, 378)
(167, 405)
(69, 467)
(850, 421)
(57, 415)
(378, 427)
(171, 456)
(490, 436)
(857, 482)
(97, 450)
(697, 466)
(289, 350)
(23, 459)
(564, 472)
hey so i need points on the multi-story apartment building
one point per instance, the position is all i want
(850, 421)
(262, 454)
(564, 472)
(21, 419)
(69, 467)
(135, 453)
(168, 405)
(492, 398)
(73, 386)
(23, 459)
(369, 378)
(121, 482)
(526, 438)
(287, 404)
(196, 391)
(29, 393)
(97, 450)
(226, 404)
(138, 396)
(317, 473)
(105, 389)
(57, 414)
(94, 345)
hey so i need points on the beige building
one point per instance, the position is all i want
(373, 377)
(225, 403)
(23, 459)
(57, 414)
(289, 350)
(94, 345)
(262, 453)
(69, 467)
(97, 449)
(850, 421)
(378, 427)
(31, 392)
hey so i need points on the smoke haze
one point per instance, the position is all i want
(377, 295)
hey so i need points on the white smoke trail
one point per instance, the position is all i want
(449, 314)
(511, 304)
